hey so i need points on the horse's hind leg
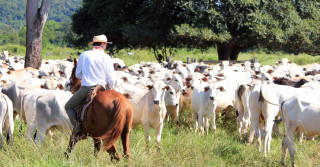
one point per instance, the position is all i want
(113, 153)
(125, 141)
(97, 146)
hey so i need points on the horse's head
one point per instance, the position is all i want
(75, 83)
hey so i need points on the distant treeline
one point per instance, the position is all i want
(57, 28)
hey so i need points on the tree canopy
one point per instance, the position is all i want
(230, 25)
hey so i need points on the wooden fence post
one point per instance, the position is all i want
(169, 62)
(255, 60)
(188, 60)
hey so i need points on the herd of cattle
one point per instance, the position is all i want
(260, 94)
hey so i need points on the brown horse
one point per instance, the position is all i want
(108, 117)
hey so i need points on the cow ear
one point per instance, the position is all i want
(125, 79)
(168, 79)
(221, 89)
(274, 78)
(218, 79)
(40, 76)
(290, 62)
(4, 82)
(220, 75)
(297, 75)
(204, 79)
(149, 87)
(42, 86)
(206, 89)
(270, 71)
(167, 88)
(188, 79)
(188, 85)
(60, 86)
(8, 72)
(184, 65)
(255, 76)
(127, 95)
(185, 94)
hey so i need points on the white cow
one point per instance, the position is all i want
(150, 108)
(13, 91)
(50, 113)
(6, 117)
(255, 111)
(28, 108)
(302, 113)
(176, 82)
(203, 107)
(242, 107)
(272, 96)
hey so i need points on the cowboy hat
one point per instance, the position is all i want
(99, 38)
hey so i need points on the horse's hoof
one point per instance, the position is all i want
(66, 155)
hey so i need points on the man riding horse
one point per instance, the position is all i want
(94, 68)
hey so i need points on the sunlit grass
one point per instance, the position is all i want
(180, 146)
(131, 57)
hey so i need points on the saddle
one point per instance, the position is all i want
(83, 107)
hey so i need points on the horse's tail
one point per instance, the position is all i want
(117, 124)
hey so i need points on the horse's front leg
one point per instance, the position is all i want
(97, 146)
(113, 153)
(72, 142)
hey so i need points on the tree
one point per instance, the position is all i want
(230, 25)
(289, 25)
(36, 17)
(127, 23)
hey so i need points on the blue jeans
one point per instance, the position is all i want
(75, 100)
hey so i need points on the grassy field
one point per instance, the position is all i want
(180, 146)
(143, 55)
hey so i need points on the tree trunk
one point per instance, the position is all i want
(35, 18)
(228, 51)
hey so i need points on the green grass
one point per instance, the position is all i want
(180, 146)
(144, 55)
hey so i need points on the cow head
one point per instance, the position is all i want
(171, 96)
(176, 83)
(214, 91)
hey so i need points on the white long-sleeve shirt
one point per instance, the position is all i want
(95, 67)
